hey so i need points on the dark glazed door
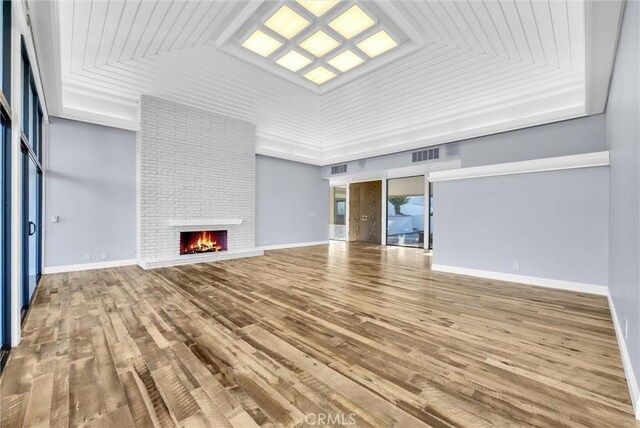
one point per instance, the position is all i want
(365, 209)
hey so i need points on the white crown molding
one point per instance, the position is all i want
(632, 382)
(586, 160)
(89, 266)
(520, 111)
(604, 20)
(294, 245)
(99, 119)
(600, 290)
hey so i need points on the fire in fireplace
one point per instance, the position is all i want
(204, 241)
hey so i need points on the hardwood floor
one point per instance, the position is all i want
(345, 334)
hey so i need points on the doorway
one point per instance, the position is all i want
(365, 212)
(338, 213)
(406, 212)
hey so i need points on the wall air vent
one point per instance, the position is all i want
(339, 169)
(425, 155)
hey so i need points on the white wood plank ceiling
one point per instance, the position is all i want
(485, 66)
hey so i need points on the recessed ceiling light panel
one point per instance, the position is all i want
(261, 43)
(345, 61)
(293, 60)
(352, 22)
(286, 22)
(377, 44)
(320, 75)
(320, 44)
(318, 7)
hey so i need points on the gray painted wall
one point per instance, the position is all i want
(554, 224)
(623, 139)
(292, 202)
(91, 186)
(570, 137)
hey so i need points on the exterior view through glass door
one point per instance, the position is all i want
(405, 211)
(338, 213)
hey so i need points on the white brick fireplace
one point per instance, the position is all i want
(196, 171)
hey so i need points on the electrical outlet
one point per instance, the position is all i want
(626, 327)
(104, 256)
(516, 266)
(87, 256)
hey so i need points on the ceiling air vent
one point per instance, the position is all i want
(339, 169)
(425, 155)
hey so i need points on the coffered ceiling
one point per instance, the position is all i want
(461, 69)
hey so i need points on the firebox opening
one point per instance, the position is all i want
(204, 241)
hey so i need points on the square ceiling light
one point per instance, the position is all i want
(377, 44)
(293, 60)
(318, 7)
(286, 22)
(352, 22)
(320, 43)
(261, 43)
(319, 75)
(345, 61)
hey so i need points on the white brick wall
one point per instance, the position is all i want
(192, 164)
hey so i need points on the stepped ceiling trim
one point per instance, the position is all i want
(472, 68)
(386, 16)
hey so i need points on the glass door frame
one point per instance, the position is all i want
(5, 233)
(29, 156)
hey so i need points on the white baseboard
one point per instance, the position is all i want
(295, 245)
(89, 266)
(601, 290)
(632, 383)
(199, 258)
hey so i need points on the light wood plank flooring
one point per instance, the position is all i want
(350, 335)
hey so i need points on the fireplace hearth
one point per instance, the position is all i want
(204, 241)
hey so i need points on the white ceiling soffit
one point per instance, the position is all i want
(471, 68)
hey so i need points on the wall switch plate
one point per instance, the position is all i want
(516, 266)
(104, 256)
(626, 327)
(55, 219)
(87, 256)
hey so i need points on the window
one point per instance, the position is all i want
(5, 55)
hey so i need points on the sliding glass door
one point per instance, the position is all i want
(5, 181)
(405, 211)
(32, 222)
(31, 138)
